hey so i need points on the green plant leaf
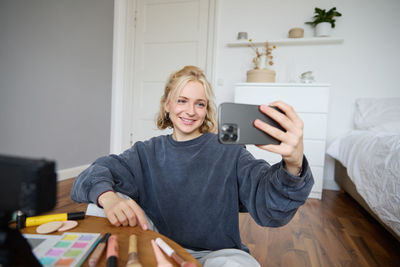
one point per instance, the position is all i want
(321, 15)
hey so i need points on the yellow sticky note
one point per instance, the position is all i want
(70, 237)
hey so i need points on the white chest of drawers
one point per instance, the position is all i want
(311, 102)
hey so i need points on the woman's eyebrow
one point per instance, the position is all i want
(199, 99)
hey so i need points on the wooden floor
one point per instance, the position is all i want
(333, 232)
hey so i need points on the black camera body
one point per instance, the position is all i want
(29, 185)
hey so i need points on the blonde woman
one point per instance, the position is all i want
(190, 186)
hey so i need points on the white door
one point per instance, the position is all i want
(169, 35)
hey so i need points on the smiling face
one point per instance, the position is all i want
(187, 111)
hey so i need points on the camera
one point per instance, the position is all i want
(229, 132)
(28, 186)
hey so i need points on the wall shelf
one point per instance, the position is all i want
(290, 41)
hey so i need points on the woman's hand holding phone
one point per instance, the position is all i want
(291, 147)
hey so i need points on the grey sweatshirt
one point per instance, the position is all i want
(194, 190)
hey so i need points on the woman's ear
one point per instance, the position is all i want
(166, 107)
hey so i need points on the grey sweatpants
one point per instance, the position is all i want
(220, 258)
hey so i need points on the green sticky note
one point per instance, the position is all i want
(62, 244)
(72, 253)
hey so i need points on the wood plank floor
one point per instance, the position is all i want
(333, 232)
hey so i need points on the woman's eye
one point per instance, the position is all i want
(201, 104)
(181, 101)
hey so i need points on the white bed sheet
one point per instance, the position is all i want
(372, 160)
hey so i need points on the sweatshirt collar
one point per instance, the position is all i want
(194, 141)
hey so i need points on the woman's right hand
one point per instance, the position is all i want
(120, 211)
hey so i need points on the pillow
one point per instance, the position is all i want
(389, 127)
(377, 114)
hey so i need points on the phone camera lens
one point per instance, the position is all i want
(233, 137)
(230, 129)
(225, 137)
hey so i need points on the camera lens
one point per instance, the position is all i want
(225, 137)
(233, 137)
(230, 129)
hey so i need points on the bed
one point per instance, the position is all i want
(367, 159)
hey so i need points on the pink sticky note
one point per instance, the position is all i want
(79, 245)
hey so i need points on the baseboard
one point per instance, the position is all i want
(70, 173)
(331, 185)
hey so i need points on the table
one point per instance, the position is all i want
(92, 224)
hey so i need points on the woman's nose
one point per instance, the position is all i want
(190, 110)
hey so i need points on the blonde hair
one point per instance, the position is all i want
(177, 80)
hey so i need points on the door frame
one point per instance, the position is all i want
(123, 67)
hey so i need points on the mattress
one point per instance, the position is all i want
(372, 160)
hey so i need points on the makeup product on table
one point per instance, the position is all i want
(112, 251)
(94, 258)
(68, 249)
(67, 225)
(38, 220)
(48, 228)
(171, 253)
(133, 260)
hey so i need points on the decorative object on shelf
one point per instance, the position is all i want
(242, 36)
(296, 33)
(261, 76)
(324, 21)
(306, 77)
(263, 57)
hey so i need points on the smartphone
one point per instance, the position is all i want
(236, 125)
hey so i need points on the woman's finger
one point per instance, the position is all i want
(139, 214)
(277, 116)
(113, 218)
(161, 260)
(290, 113)
(271, 130)
(123, 220)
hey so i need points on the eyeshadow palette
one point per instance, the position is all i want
(69, 249)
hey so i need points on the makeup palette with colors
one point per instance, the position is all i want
(69, 249)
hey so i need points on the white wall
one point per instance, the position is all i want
(364, 65)
(55, 80)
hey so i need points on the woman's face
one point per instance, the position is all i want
(187, 111)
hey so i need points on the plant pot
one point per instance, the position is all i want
(323, 29)
(261, 76)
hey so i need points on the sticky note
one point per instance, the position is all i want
(47, 260)
(72, 253)
(79, 245)
(63, 244)
(70, 237)
(86, 237)
(64, 262)
(54, 252)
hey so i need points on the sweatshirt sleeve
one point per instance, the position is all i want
(109, 173)
(271, 194)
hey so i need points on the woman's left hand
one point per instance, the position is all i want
(291, 147)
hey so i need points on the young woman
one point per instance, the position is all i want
(191, 186)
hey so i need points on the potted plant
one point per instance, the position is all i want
(324, 21)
